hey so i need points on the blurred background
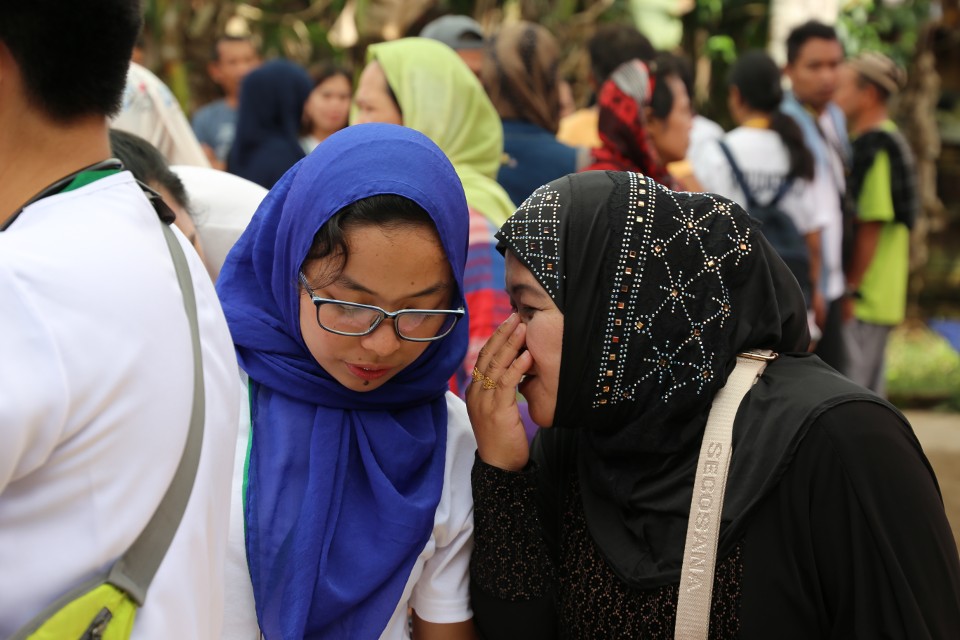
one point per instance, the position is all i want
(923, 373)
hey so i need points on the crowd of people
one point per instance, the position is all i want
(787, 161)
(419, 350)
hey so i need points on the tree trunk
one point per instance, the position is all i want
(915, 112)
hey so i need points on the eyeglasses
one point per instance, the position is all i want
(354, 319)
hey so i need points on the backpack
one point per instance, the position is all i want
(903, 173)
(777, 227)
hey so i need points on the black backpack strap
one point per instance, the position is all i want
(782, 191)
(903, 177)
(742, 181)
(738, 175)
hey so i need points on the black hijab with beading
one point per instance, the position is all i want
(659, 290)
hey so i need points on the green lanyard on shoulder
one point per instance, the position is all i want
(84, 178)
(71, 182)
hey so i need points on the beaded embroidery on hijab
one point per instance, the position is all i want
(665, 331)
(659, 291)
(535, 227)
(675, 301)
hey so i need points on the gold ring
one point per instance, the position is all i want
(488, 383)
(477, 376)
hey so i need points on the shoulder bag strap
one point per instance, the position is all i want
(134, 571)
(706, 505)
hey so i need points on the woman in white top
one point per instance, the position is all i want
(769, 151)
(345, 300)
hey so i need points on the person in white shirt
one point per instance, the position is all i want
(97, 366)
(151, 111)
(352, 503)
(814, 56)
(769, 151)
(222, 205)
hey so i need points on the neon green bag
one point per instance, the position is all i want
(105, 612)
(105, 607)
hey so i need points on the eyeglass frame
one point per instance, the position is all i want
(384, 314)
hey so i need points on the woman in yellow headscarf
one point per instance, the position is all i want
(424, 85)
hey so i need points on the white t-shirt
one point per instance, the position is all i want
(831, 185)
(765, 162)
(151, 111)
(222, 205)
(96, 388)
(704, 132)
(438, 587)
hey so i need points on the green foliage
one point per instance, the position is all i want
(922, 368)
(865, 25)
(721, 48)
(715, 33)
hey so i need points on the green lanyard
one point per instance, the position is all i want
(68, 183)
(87, 177)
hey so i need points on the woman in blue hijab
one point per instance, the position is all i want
(269, 119)
(352, 501)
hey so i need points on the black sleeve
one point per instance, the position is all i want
(861, 513)
(511, 573)
(895, 572)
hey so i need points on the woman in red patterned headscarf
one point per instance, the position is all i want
(644, 120)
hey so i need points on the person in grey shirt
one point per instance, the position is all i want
(215, 124)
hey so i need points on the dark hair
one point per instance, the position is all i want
(323, 71)
(614, 44)
(685, 71)
(147, 164)
(383, 210)
(810, 30)
(215, 50)
(386, 82)
(320, 73)
(757, 79)
(393, 97)
(666, 66)
(73, 56)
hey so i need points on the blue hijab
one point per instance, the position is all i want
(267, 141)
(342, 486)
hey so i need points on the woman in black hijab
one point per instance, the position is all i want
(269, 118)
(632, 304)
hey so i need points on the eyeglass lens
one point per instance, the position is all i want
(360, 320)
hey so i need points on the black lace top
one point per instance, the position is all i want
(593, 602)
(852, 543)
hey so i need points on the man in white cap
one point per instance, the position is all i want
(882, 182)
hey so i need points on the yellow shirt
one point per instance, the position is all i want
(581, 129)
